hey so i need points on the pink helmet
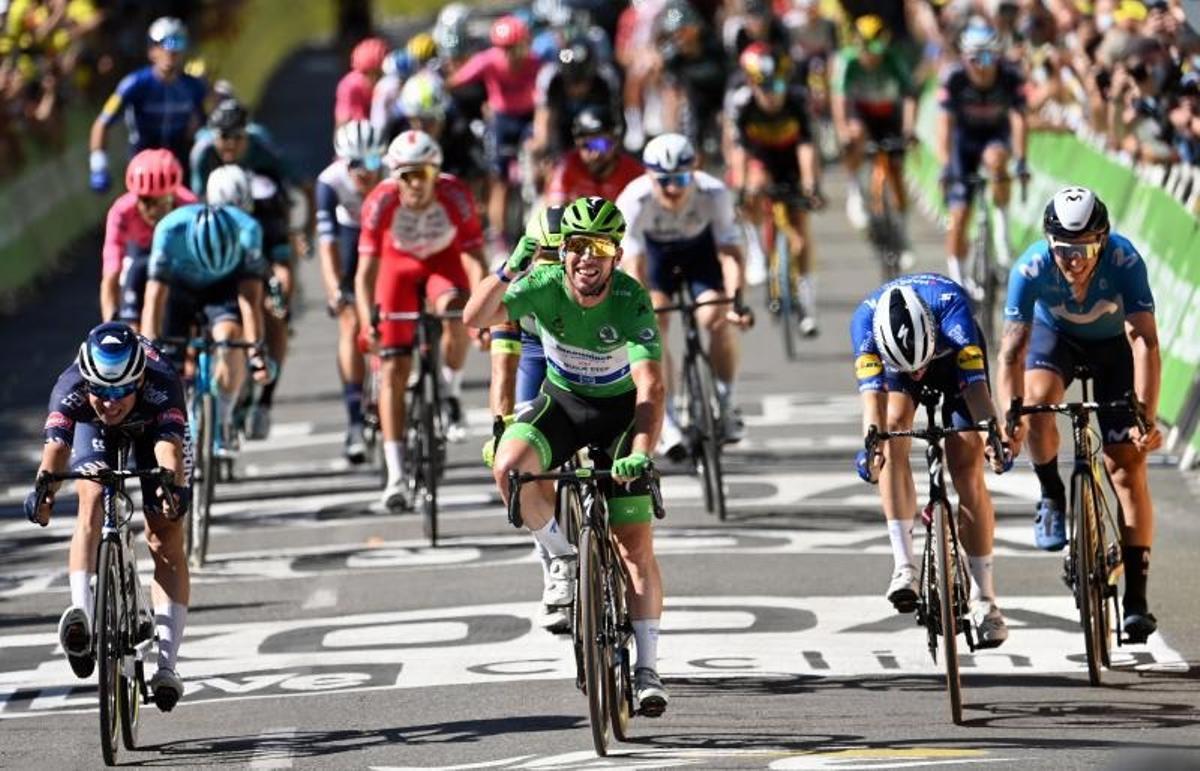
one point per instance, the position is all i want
(369, 54)
(508, 31)
(153, 173)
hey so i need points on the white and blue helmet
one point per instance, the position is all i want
(669, 154)
(111, 356)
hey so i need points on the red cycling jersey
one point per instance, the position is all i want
(126, 230)
(571, 179)
(417, 248)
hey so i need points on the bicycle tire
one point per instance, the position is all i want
(787, 303)
(429, 512)
(590, 597)
(702, 430)
(129, 693)
(984, 276)
(414, 449)
(882, 230)
(109, 644)
(618, 685)
(206, 466)
(1087, 581)
(570, 499)
(712, 437)
(568, 510)
(945, 565)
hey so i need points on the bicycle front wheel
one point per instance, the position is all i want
(590, 598)
(109, 646)
(706, 450)
(620, 628)
(945, 563)
(204, 476)
(1089, 580)
(984, 275)
(130, 692)
(787, 300)
(429, 471)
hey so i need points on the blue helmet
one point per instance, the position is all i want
(111, 356)
(213, 239)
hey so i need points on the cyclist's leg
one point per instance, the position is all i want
(351, 365)
(708, 278)
(448, 288)
(396, 292)
(897, 490)
(1113, 378)
(995, 158)
(170, 591)
(965, 157)
(89, 452)
(1049, 364)
(276, 336)
(134, 273)
(229, 371)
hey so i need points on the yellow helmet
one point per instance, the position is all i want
(872, 33)
(421, 47)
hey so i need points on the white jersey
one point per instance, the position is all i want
(705, 221)
(339, 203)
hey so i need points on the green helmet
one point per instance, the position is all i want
(593, 216)
(545, 227)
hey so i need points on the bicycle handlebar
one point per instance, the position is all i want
(518, 478)
(1001, 454)
(107, 477)
(1017, 408)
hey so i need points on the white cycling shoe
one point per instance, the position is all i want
(75, 637)
(166, 688)
(395, 496)
(651, 696)
(991, 630)
(560, 590)
(902, 591)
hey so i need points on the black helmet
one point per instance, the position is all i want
(1075, 214)
(229, 115)
(576, 61)
(593, 119)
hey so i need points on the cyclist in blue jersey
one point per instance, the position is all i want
(341, 188)
(162, 105)
(120, 380)
(208, 261)
(916, 333)
(981, 122)
(1082, 295)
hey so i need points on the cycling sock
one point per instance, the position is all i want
(807, 288)
(954, 269)
(900, 533)
(553, 540)
(81, 591)
(983, 585)
(393, 456)
(1137, 571)
(267, 395)
(168, 623)
(645, 635)
(725, 392)
(453, 378)
(225, 409)
(544, 559)
(1052, 484)
(352, 396)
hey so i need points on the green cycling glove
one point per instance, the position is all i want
(522, 256)
(631, 466)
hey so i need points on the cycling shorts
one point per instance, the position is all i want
(95, 447)
(778, 167)
(397, 290)
(504, 137)
(347, 241)
(941, 377)
(966, 153)
(881, 127)
(558, 423)
(135, 270)
(695, 259)
(1110, 361)
(217, 303)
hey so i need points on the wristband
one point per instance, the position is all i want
(504, 277)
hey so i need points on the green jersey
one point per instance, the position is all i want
(589, 350)
(874, 93)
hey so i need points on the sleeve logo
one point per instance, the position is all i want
(970, 358)
(868, 366)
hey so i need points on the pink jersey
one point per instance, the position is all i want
(510, 90)
(126, 228)
(353, 99)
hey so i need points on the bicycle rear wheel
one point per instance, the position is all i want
(984, 275)
(787, 301)
(706, 445)
(429, 472)
(109, 646)
(1089, 582)
(130, 692)
(620, 628)
(945, 563)
(204, 475)
(568, 510)
(590, 598)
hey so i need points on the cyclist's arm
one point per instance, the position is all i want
(168, 452)
(364, 288)
(837, 100)
(979, 401)
(648, 412)
(945, 128)
(505, 356)
(154, 307)
(810, 167)
(874, 409)
(1142, 331)
(250, 302)
(1014, 342)
(55, 456)
(111, 255)
(475, 264)
(539, 139)
(908, 116)
(1020, 133)
(485, 308)
(112, 108)
(328, 249)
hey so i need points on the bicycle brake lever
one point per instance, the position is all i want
(514, 499)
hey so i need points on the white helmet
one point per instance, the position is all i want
(357, 140)
(669, 153)
(424, 96)
(229, 185)
(904, 329)
(978, 37)
(413, 148)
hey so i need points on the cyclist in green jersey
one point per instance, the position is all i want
(873, 100)
(603, 387)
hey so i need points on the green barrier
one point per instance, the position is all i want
(1165, 234)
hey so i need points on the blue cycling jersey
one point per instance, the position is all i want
(957, 332)
(1039, 293)
(172, 261)
(157, 113)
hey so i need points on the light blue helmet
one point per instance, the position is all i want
(213, 239)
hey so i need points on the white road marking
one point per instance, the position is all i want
(321, 598)
(273, 748)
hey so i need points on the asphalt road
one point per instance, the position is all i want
(326, 634)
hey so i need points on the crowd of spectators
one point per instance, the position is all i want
(57, 52)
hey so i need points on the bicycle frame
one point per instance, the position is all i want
(883, 230)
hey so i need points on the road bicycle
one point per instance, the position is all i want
(424, 435)
(944, 586)
(602, 628)
(123, 629)
(782, 270)
(1092, 567)
(703, 413)
(885, 223)
(204, 423)
(990, 279)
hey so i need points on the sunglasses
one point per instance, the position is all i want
(1067, 250)
(172, 42)
(231, 136)
(416, 174)
(597, 144)
(596, 246)
(678, 179)
(773, 86)
(369, 162)
(156, 201)
(982, 59)
(111, 393)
